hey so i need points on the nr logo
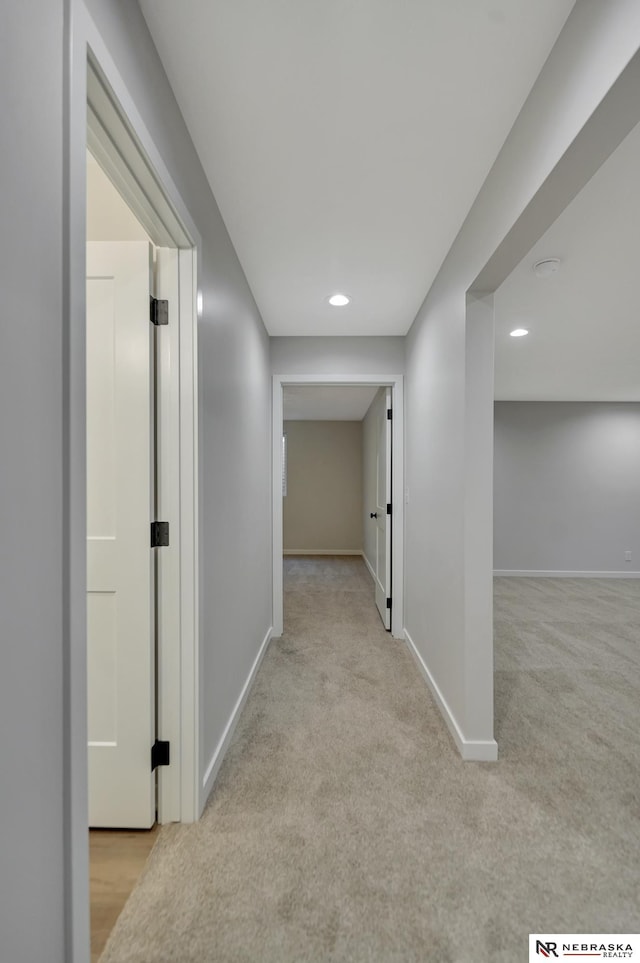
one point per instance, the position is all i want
(546, 949)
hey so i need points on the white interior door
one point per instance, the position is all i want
(120, 574)
(383, 510)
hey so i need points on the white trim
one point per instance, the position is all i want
(322, 551)
(277, 613)
(178, 796)
(472, 750)
(396, 383)
(181, 684)
(96, 49)
(127, 166)
(167, 348)
(369, 566)
(223, 744)
(76, 838)
(190, 571)
(563, 573)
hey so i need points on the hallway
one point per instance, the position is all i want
(344, 826)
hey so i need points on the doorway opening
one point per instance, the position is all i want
(337, 454)
(141, 456)
(551, 255)
(336, 490)
(122, 573)
(567, 441)
(174, 496)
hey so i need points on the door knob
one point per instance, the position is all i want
(373, 514)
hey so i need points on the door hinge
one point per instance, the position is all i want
(160, 754)
(388, 508)
(159, 534)
(389, 415)
(388, 603)
(159, 311)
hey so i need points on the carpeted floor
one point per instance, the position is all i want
(344, 826)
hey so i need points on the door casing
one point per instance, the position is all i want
(89, 51)
(178, 798)
(396, 383)
(384, 528)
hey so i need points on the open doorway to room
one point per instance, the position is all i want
(141, 508)
(566, 482)
(121, 578)
(337, 485)
(121, 484)
(338, 465)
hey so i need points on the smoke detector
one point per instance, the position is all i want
(546, 267)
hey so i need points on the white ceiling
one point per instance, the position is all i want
(584, 331)
(345, 140)
(327, 402)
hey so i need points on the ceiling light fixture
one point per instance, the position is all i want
(546, 267)
(518, 332)
(339, 300)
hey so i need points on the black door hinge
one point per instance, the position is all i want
(159, 311)
(388, 603)
(388, 508)
(160, 754)
(389, 415)
(159, 534)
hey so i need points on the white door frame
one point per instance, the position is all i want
(87, 42)
(176, 467)
(396, 383)
(127, 150)
(176, 606)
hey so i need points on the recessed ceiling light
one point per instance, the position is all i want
(546, 267)
(339, 300)
(518, 332)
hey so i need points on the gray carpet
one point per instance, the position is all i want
(344, 826)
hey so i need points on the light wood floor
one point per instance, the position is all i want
(116, 860)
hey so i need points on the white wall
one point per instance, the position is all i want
(567, 487)
(449, 375)
(370, 476)
(43, 847)
(337, 356)
(322, 510)
(33, 575)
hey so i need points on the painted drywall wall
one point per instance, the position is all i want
(566, 486)
(449, 377)
(43, 839)
(234, 403)
(32, 569)
(322, 509)
(370, 476)
(337, 356)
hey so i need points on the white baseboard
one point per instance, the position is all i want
(369, 566)
(472, 750)
(546, 573)
(216, 759)
(322, 551)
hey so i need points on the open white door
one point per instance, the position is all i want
(383, 508)
(120, 574)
